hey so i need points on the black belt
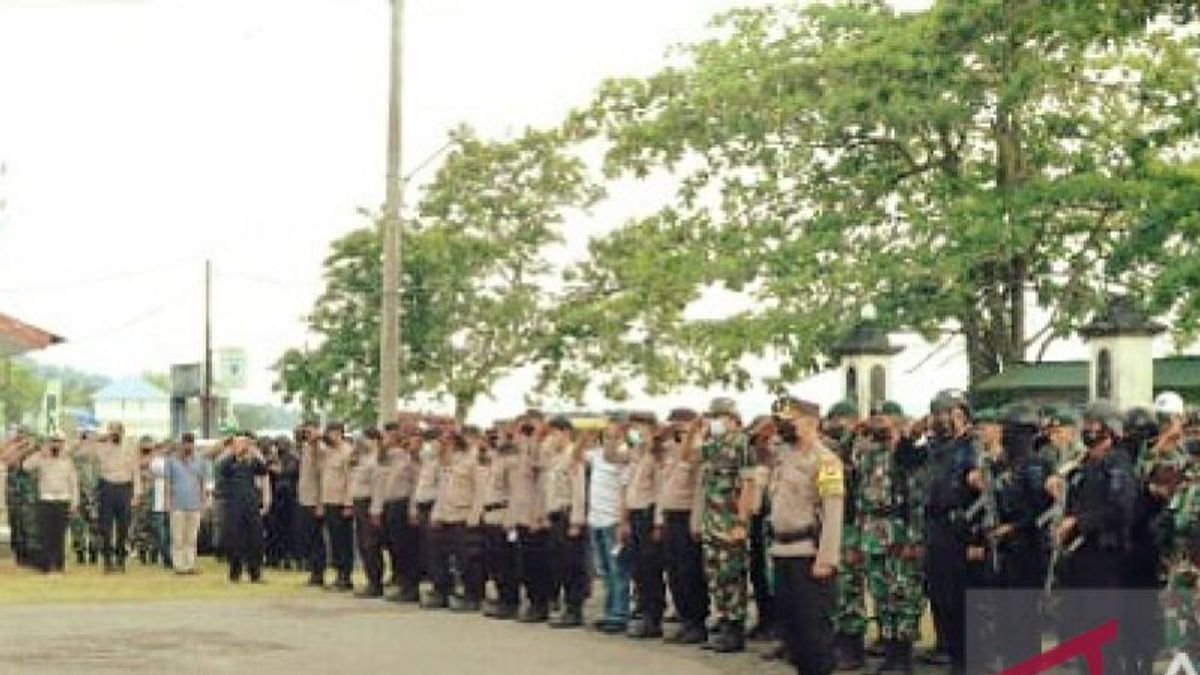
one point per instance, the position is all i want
(811, 533)
(488, 508)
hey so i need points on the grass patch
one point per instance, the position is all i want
(140, 583)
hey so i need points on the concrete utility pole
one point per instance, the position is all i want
(389, 326)
(206, 406)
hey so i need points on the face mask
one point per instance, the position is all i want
(787, 431)
(633, 437)
(836, 431)
(717, 428)
(427, 452)
(879, 434)
(1091, 438)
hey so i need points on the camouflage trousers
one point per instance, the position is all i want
(727, 568)
(850, 616)
(897, 588)
(1181, 597)
(141, 531)
(85, 526)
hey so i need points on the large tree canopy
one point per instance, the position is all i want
(950, 167)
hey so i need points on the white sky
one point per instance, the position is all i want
(142, 136)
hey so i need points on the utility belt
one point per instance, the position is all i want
(489, 508)
(811, 533)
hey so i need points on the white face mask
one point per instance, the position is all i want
(633, 437)
(717, 428)
(427, 451)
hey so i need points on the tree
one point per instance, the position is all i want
(21, 395)
(948, 167)
(473, 273)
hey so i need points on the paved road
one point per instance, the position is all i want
(322, 634)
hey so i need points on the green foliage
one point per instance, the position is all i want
(946, 166)
(21, 390)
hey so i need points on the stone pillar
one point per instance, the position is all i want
(1121, 364)
(866, 360)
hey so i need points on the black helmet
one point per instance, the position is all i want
(1022, 415)
(949, 399)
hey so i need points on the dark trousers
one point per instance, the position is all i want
(804, 614)
(160, 524)
(946, 572)
(52, 527)
(311, 540)
(763, 599)
(685, 569)
(370, 543)
(647, 565)
(534, 564)
(500, 564)
(340, 530)
(115, 501)
(401, 536)
(425, 540)
(1093, 569)
(462, 544)
(243, 534)
(569, 559)
(280, 529)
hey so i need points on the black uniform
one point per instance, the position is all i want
(947, 497)
(282, 528)
(243, 527)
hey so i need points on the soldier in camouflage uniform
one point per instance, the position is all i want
(726, 487)
(85, 522)
(141, 528)
(1183, 548)
(890, 526)
(22, 506)
(850, 617)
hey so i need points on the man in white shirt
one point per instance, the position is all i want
(606, 494)
(160, 524)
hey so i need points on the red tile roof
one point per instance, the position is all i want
(18, 337)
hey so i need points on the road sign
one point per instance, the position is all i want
(231, 369)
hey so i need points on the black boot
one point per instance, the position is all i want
(689, 634)
(539, 613)
(851, 652)
(463, 605)
(891, 653)
(370, 592)
(435, 600)
(714, 636)
(733, 639)
(904, 656)
(645, 629)
(79, 557)
(502, 611)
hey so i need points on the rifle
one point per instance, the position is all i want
(1053, 519)
(991, 514)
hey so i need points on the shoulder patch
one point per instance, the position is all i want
(831, 481)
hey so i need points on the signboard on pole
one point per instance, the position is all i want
(50, 419)
(231, 368)
(187, 380)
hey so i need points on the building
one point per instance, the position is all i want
(1066, 382)
(144, 410)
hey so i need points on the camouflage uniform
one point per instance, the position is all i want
(141, 526)
(850, 617)
(889, 519)
(85, 523)
(26, 544)
(1183, 566)
(726, 463)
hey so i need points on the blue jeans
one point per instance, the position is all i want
(160, 524)
(614, 569)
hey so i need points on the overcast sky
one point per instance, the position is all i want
(142, 136)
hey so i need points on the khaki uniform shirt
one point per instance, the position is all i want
(645, 480)
(395, 480)
(680, 483)
(363, 468)
(335, 474)
(460, 490)
(308, 486)
(565, 488)
(527, 494)
(56, 477)
(808, 490)
(117, 464)
(496, 490)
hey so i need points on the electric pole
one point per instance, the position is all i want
(206, 395)
(389, 327)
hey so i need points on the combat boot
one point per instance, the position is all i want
(891, 658)
(714, 636)
(645, 629)
(539, 613)
(689, 634)
(79, 557)
(407, 595)
(776, 653)
(732, 640)
(370, 593)
(571, 617)
(763, 630)
(435, 600)
(851, 652)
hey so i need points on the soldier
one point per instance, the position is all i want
(85, 521)
(282, 525)
(364, 466)
(456, 516)
(850, 618)
(238, 468)
(141, 528)
(981, 558)
(672, 520)
(890, 527)
(1183, 549)
(390, 505)
(20, 497)
(722, 513)
(120, 483)
(807, 505)
(645, 460)
(1094, 532)
(338, 508)
(308, 496)
(1063, 447)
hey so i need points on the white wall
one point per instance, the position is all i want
(140, 418)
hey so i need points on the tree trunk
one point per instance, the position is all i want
(462, 407)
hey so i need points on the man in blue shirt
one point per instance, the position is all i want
(185, 473)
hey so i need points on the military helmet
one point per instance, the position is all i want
(844, 408)
(1063, 416)
(1106, 413)
(948, 399)
(1021, 415)
(723, 405)
(987, 416)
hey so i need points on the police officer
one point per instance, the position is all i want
(338, 508)
(243, 529)
(567, 505)
(120, 483)
(682, 554)
(500, 550)
(58, 496)
(645, 459)
(429, 472)
(723, 512)
(364, 469)
(456, 515)
(308, 496)
(1094, 532)
(890, 526)
(807, 507)
(527, 512)
(390, 505)
(949, 456)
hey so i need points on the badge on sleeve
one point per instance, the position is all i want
(830, 481)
